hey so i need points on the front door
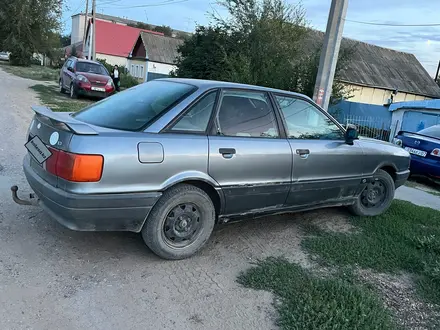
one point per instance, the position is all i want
(67, 75)
(247, 156)
(325, 168)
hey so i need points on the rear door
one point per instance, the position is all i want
(325, 168)
(248, 157)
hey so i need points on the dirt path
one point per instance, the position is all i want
(54, 278)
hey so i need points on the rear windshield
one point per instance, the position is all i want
(433, 131)
(136, 107)
(91, 68)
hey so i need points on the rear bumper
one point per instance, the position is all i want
(103, 212)
(425, 166)
(401, 178)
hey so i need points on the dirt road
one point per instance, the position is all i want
(54, 278)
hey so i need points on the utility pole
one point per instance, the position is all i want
(329, 54)
(94, 29)
(86, 20)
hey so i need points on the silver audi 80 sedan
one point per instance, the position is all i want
(172, 157)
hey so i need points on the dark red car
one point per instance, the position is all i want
(85, 78)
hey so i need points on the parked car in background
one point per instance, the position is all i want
(424, 147)
(171, 157)
(4, 56)
(82, 77)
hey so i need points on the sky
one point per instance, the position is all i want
(424, 41)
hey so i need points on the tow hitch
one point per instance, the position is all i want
(33, 201)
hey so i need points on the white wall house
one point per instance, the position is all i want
(153, 56)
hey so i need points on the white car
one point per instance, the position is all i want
(4, 56)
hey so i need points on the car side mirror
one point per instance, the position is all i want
(70, 69)
(351, 134)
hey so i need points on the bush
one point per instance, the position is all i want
(126, 79)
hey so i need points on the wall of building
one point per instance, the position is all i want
(77, 33)
(137, 68)
(160, 68)
(111, 59)
(378, 96)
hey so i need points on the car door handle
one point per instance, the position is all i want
(303, 153)
(227, 152)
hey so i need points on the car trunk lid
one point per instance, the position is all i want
(54, 131)
(414, 142)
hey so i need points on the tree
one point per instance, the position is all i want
(166, 30)
(140, 25)
(27, 27)
(205, 55)
(73, 51)
(65, 40)
(263, 42)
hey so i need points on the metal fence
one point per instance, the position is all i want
(372, 127)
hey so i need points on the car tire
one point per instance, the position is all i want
(72, 92)
(62, 89)
(168, 217)
(381, 180)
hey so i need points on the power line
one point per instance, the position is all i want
(391, 24)
(164, 3)
(72, 11)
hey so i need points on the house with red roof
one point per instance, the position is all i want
(114, 42)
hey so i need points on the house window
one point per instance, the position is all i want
(137, 71)
(132, 70)
(141, 73)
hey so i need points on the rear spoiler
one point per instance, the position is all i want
(58, 119)
(406, 133)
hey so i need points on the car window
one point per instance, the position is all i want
(136, 107)
(246, 114)
(197, 118)
(90, 68)
(69, 63)
(433, 131)
(305, 121)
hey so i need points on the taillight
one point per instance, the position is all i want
(398, 142)
(435, 152)
(75, 167)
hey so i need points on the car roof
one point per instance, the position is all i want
(206, 84)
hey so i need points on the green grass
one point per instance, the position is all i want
(404, 239)
(35, 72)
(310, 302)
(51, 97)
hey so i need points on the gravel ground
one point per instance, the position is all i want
(54, 278)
